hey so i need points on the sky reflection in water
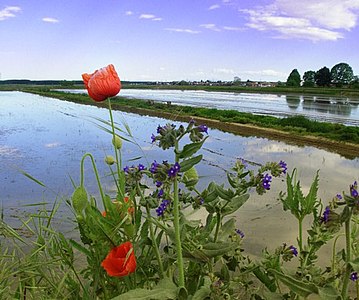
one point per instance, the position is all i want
(47, 138)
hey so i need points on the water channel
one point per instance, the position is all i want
(47, 137)
(342, 110)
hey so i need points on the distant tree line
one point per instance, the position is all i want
(340, 75)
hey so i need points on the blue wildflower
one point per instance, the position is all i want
(172, 172)
(160, 193)
(126, 169)
(354, 192)
(201, 201)
(354, 276)
(326, 213)
(339, 197)
(158, 183)
(159, 129)
(266, 180)
(240, 233)
(293, 250)
(283, 165)
(153, 138)
(162, 207)
(154, 167)
(203, 128)
(141, 167)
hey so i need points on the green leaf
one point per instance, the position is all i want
(187, 164)
(79, 247)
(204, 291)
(165, 290)
(309, 203)
(32, 178)
(190, 149)
(328, 293)
(223, 193)
(234, 205)
(301, 288)
(218, 249)
(263, 277)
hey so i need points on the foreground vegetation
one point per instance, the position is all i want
(141, 240)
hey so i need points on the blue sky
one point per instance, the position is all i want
(168, 40)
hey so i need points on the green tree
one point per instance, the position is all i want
(309, 78)
(322, 77)
(341, 74)
(294, 78)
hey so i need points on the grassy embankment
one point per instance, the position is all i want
(296, 129)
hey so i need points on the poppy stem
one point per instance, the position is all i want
(118, 160)
(82, 172)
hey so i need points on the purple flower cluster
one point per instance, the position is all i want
(266, 180)
(339, 197)
(161, 209)
(172, 172)
(240, 233)
(283, 165)
(128, 169)
(293, 250)
(326, 213)
(203, 128)
(354, 276)
(153, 138)
(354, 190)
(154, 167)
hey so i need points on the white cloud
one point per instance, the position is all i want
(150, 17)
(129, 13)
(214, 6)
(9, 12)
(230, 28)
(210, 27)
(147, 16)
(185, 30)
(305, 19)
(224, 71)
(50, 20)
(269, 73)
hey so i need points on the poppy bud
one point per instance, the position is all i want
(117, 142)
(79, 199)
(110, 160)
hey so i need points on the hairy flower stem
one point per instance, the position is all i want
(118, 160)
(347, 255)
(154, 243)
(176, 224)
(300, 228)
(218, 225)
(82, 172)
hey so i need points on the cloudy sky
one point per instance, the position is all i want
(169, 40)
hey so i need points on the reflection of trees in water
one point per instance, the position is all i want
(293, 101)
(335, 106)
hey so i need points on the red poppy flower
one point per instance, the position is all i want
(120, 261)
(103, 83)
